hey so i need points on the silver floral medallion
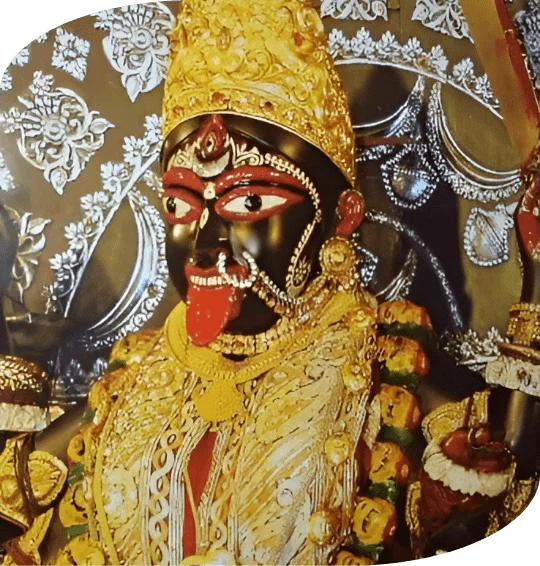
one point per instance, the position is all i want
(443, 16)
(70, 54)
(6, 82)
(486, 235)
(31, 244)
(57, 132)
(138, 44)
(354, 9)
(528, 22)
(7, 183)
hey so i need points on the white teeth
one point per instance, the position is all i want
(207, 281)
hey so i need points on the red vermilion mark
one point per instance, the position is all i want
(211, 138)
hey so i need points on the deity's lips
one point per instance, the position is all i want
(211, 303)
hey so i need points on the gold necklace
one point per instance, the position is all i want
(331, 296)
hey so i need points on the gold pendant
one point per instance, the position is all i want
(220, 402)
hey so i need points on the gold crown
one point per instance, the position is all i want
(264, 59)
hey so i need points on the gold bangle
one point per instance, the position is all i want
(524, 325)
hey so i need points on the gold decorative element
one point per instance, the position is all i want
(24, 393)
(133, 348)
(25, 549)
(323, 527)
(346, 558)
(222, 375)
(81, 551)
(412, 517)
(402, 354)
(374, 520)
(265, 59)
(387, 463)
(338, 448)
(447, 418)
(520, 494)
(47, 478)
(404, 312)
(524, 325)
(339, 261)
(399, 407)
(221, 557)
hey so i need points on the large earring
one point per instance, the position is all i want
(351, 210)
(339, 264)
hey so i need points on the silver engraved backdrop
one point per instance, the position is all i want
(79, 144)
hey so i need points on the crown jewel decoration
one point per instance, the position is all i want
(264, 59)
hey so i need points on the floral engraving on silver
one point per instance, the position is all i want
(70, 54)
(443, 16)
(485, 238)
(408, 177)
(471, 351)
(528, 22)
(149, 277)
(57, 132)
(362, 49)
(464, 76)
(31, 243)
(402, 123)
(7, 183)
(118, 181)
(138, 44)
(468, 179)
(6, 82)
(354, 9)
(22, 57)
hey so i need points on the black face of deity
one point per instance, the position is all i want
(239, 216)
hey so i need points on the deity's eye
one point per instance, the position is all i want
(181, 206)
(253, 203)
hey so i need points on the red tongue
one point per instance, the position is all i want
(209, 311)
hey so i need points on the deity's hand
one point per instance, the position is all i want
(528, 224)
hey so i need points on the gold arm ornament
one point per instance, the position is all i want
(30, 481)
(24, 395)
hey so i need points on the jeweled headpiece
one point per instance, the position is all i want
(263, 59)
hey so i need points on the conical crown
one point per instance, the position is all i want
(263, 59)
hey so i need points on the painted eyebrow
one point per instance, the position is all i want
(246, 174)
(183, 178)
(242, 176)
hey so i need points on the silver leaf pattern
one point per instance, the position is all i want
(31, 244)
(57, 132)
(443, 16)
(355, 9)
(138, 44)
